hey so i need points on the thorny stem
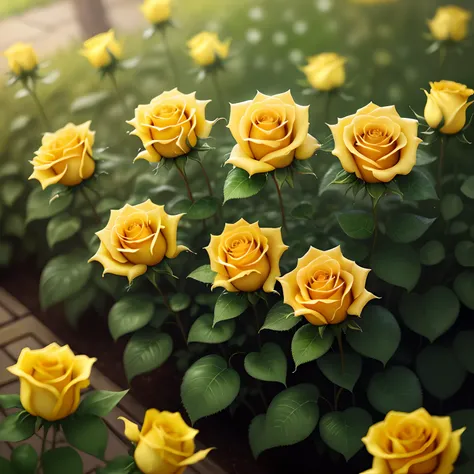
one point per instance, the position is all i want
(280, 199)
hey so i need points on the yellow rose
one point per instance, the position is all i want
(270, 131)
(450, 23)
(246, 257)
(413, 443)
(325, 71)
(170, 125)
(447, 103)
(165, 444)
(156, 11)
(206, 48)
(51, 380)
(376, 143)
(21, 58)
(372, 2)
(137, 237)
(325, 287)
(65, 156)
(102, 50)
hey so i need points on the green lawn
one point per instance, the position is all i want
(14, 7)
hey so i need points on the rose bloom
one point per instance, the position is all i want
(165, 444)
(205, 48)
(270, 131)
(65, 156)
(51, 380)
(102, 50)
(246, 257)
(170, 125)
(325, 287)
(21, 58)
(372, 2)
(447, 103)
(325, 71)
(416, 442)
(137, 237)
(450, 23)
(156, 11)
(376, 143)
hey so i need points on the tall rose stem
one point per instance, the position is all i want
(34, 96)
(186, 183)
(280, 199)
(171, 60)
(113, 79)
(327, 106)
(55, 432)
(220, 95)
(442, 149)
(341, 348)
(376, 226)
(43, 449)
(91, 204)
(257, 325)
(336, 398)
(206, 177)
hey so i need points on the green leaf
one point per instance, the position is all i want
(24, 459)
(14, 226)
(63, 276)
(147, 350)
(10, 191)
(405, 228)
(303, 167)
(439, 371)
(463, 285)
(281, 175)
(9, 169)
(432, 253)
(6, 253)
(61, 228)
(424, 157)
(376, 191)
(8, 401)
(179, 302)
(432, 313)
(356, 224)
(39, 207)
(467, 187)
(239, 184)
(280, 318)
(416, 186)
(458, 227)
(17, 427)
(203, 208)
(291, 417)
(451, 206)
(203, 330)
(89, 101)
(119, 465)
(100, 402)
(464, 253)
(268, 365)
(208, 387)
(61, 460)
(229, 306)
(343, 430)
(304, 210)
(204, 274)
(6, 467)
(129, 314)
(397, 388)
(465, 419)
(307, 344)
(87, 433)
(379, 336)
(76, 305)
(328, 178)
(463, 346)
(397, 264)
(344, 374)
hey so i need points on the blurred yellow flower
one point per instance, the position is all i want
(170, 125)
(21, 58)
(65, 156)
(51, 380)
(270, 131)
(156, 11)
(450, 23)
(102, 50)
(165, 443)
(137, 237)
(413, 443)
(447, 103)
(205, 48)
(325, 71)
(372, 2)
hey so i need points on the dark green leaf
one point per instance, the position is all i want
(463, 346)
(76, 305)
(179, 302)
(8, 401)
(303, 167)
(344, 374)
(416, 186)
(87, 433)
(308, 345)
(204, 274)
(229, 306)
(62, 460)
(10, 191)
(465, 419)
(100, 402)
(205, 332)
(6, 467)
(268, 365)
(17, 427)
(424, 157)
(463, 285)
(356, 224)
(467, 187)
(328, 178)
(24, 459)
(239, 184)
(280, 318)
(405, 228)
(451, 206)
(464, 253)
(304, 210)
(38, 204)
(61, 227)
(203, 208)
(119, 465)
(432, 253)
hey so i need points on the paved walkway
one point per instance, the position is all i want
(54, 26)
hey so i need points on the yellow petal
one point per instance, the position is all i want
(308, 148)
(240, 160)
(196, 457)
(449, 456)
(131, 430)
(276, 248)
(170, 232)
(433, 114)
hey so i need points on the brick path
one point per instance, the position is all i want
(19, 329)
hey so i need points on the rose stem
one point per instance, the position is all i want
(167, 304)
(341, 349)
(53, 442)
(336, 398)
(113, 79)
(171, 61)
(376, 226)
(327, 107)
(91, 204)
(206, 177)
(186, 183)
(33, 95)
(220, 96)
(257, 326)
(43, 447)
(282, 208)
(442, 148)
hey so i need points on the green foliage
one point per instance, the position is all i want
(76, 305)
(10, 401)
(432, 253)
(465, 419)
(17, 427)
(24, 459)
(464, 253)
(100, 402)
(463, 285)
(61, 460)
(6, 467)
(451, 206)
(39, 204)
(308, 344)
(61, 227)
(202, 208)
(356, 224)
(405, 228)
(268, 365)
(230, 306)
(463, 346)
(204, 274)
(87, 433)
(205, 331)
(416, 186)
(342, 372)
(239, 184)
(179, 302)
(304, 210)
(467, 187)
(209, 386)
(119, 465)
(10, 191)
(280, 318)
